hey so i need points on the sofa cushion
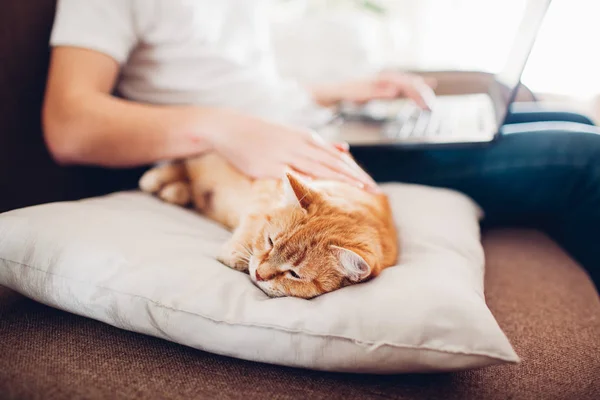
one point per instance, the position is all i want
(544, 301)
(139, 264)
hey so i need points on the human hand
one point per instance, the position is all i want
(385, 85)
(262, 149)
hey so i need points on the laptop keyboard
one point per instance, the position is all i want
(451, 115)
(416, 123)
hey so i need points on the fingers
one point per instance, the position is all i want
(346, 158)
(414, 87)
(340, 166)
(419, 92)
(343, 147)
(317, 170)
(384, 90)
(327, 149)
(425, 92)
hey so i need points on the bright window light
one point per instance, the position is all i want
(473, 35)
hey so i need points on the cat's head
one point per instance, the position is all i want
(308, 247)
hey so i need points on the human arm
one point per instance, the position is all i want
(85, 124)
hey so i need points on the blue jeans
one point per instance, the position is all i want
(543, 174)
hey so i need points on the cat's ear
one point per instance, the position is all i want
(297, 192)
(354, 267)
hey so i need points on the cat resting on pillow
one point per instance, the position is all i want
(294, 238)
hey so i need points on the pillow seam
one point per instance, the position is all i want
(266, 326)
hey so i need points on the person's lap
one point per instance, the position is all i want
(543, 175)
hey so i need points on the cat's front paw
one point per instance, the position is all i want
(234, 257)
(178, 193)
(151, 181)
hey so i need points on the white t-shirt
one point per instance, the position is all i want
(200, 52)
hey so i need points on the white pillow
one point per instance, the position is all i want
(139, 264)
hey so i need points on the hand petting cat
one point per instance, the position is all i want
(262, 149)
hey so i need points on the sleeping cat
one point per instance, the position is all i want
(294, 238)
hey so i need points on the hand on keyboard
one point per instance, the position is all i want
(384, 86)
(413, 87)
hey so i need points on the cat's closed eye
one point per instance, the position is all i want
(270, 241)
(294, 274)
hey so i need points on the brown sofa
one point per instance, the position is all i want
(545, 303)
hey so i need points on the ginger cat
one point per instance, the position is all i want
(294, 238)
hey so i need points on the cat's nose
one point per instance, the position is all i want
(258, 277)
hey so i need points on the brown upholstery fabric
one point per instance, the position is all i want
(542, 300)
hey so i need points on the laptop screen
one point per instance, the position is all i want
(509, 77)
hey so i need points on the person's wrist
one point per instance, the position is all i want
(211, 125)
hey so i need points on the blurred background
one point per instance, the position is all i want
(317, 40)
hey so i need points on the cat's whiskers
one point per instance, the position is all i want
(247, 248)
(245, 252)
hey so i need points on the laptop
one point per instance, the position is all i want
(453, 120)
